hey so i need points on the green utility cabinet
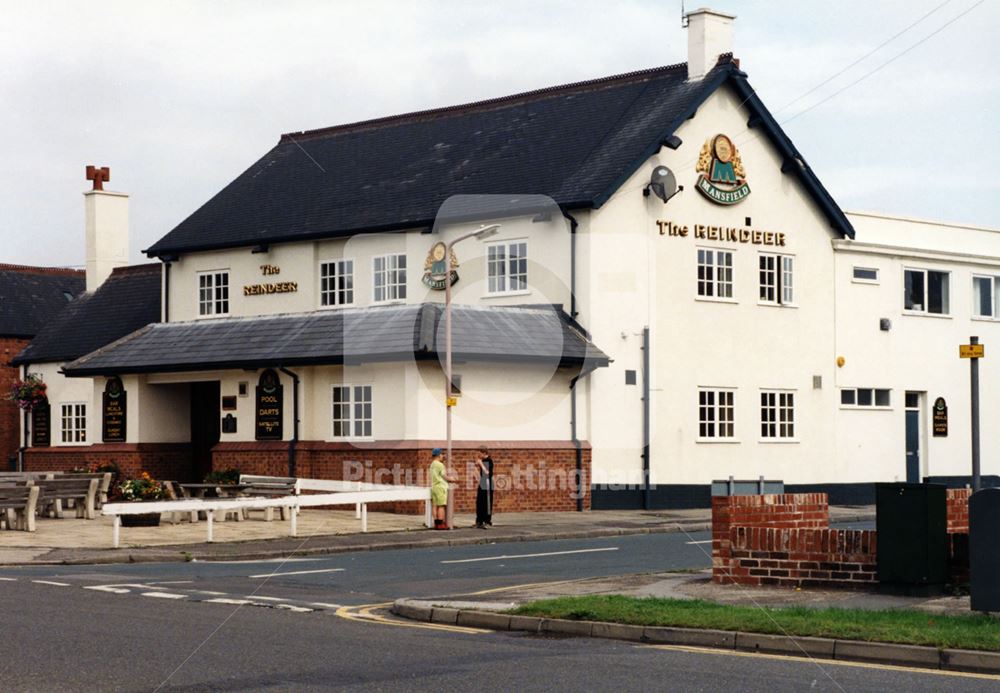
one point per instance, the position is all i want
(912, 535)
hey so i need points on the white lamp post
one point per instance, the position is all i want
(482, 233)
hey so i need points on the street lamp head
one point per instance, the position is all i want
(485, 232)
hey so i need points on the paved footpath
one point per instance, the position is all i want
(73, 541)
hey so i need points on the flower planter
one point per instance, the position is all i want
(141, 520)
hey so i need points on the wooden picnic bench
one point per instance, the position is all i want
(53, 491)
(18, 503)
(104, 485)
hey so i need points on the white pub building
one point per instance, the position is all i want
(672, 297)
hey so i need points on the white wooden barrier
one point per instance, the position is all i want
(359, 497)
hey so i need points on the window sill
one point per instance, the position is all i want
(985, 318)
(390, 302)
(502, 294)
(769, 304)
(722, 441)
(71, 445)
(925, 314)
(339, 306)
(715, 299)
(351, 439)
(861, 407)
(214, 315)
(779, 441)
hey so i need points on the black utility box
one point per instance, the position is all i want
(912, 535)
(984, 550)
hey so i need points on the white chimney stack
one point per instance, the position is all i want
(106, 224)
(710, 34)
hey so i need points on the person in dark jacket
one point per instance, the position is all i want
(484, 494)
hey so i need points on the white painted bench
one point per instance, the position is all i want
(383, 494)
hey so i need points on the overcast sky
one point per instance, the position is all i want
(179, 98)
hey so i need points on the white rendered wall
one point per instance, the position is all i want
(637, 277)
(62, 390)
(920, 351)
(548, 269)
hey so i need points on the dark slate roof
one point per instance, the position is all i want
(575, 143)
(126, 301)
(540, 334)
(30, 297)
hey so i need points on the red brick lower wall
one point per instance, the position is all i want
(785, 540)
(780, 510)
(162, 460)
(10, 424)
(957, 508)
(530, 476)
(800, 557)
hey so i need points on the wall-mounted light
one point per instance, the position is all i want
(673, 142)
(260, 248)
(884, 324)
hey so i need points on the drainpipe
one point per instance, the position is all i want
(580, 491)
(24, 439)
(645, 418)
(293, 443)
(572, 262)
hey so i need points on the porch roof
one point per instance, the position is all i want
(526, 334)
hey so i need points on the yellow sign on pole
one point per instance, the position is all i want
(452, 401)
(971, 351)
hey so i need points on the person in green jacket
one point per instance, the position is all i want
(439, 489)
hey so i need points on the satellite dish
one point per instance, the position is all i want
(662, 182)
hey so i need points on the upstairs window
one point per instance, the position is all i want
(336, 286)
(213, 293)
(352, 411)
(715, 273)
(926, 291)
(986, 297)
(866, 275)
(390, 278)
(507, 267)
(777, 280)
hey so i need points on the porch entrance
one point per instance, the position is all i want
(205, 416)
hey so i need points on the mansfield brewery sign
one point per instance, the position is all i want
(722, 178)
(436, 274)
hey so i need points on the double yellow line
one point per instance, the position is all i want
(364, 614)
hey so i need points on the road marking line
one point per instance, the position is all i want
(530, 555)
(839, 662)
(364, 615)
(49, 582)
(219, 594)
(164, 595)
(296, 572)
(172, 582)
(297, 609)
(104, 588)
(327, 606)
(706, 541)
(510, 588)
(239, 602)
(6, 579)
(268, 599)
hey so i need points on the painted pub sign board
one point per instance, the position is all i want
(114, 412)
(270, 407)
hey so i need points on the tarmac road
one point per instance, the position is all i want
(147, 627)
(377, 576)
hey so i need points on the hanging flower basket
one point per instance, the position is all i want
(28, 393)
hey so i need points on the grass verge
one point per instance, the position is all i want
(971, 632)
